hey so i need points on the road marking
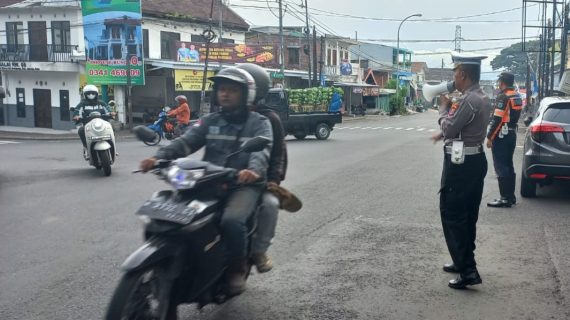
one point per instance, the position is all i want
(399, 128)
(410, 129)
(388, 128)
(8, 142)
(421, 129)
(376, 128)
(431, 130)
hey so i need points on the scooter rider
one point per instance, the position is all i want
(88, 104)
(221, 133)
(267, 218)
(182, 114)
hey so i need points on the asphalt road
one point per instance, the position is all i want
(367, 245)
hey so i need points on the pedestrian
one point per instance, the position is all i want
(502, 139)
(463, 125)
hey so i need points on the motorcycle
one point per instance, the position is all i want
(100, 140)
(162, 128)
(183, 257)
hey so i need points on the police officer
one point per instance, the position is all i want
(463, 129)
(502, 139)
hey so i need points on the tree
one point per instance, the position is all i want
(513, 59)
(397, 101)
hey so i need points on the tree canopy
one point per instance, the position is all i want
(513, 59)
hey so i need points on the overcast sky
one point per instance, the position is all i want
(484, 26)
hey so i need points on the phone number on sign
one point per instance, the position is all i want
(114, 73)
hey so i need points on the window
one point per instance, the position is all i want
(168, 43)
(225, 40)
(198, 38)
(15, 35)
(145, 42)
(558, 113)
(21, 102)
(334, 58)
(60, 36)
(329, 57)
(293, 54)
(64, 105)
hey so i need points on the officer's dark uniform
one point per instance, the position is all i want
(503, 134)
(462, 184)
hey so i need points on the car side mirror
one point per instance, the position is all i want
(255, 144)
(2, 93)
(528, 120)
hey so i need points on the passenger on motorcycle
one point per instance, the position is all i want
(88, 104)
(222, 133)
(268, 215)
(182, 114)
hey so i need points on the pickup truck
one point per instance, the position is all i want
(301, 124)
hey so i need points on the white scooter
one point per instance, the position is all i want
(100, 142)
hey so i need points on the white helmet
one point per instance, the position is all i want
(90, 92)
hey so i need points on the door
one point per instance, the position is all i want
(37, 34)
(42, 108)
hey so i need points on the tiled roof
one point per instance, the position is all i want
(196, 10)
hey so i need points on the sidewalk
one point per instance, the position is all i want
(23, 133)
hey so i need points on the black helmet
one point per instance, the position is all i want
(240, 76)
(261, 80)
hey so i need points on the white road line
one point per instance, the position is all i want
(356, 127)
(7, 142)
(399, 128)
(410, 129)
(421, 129)
(431, 130)
(366, 128)
(388, 128)
(376, 128)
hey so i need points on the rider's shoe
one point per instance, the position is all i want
(262, 262)
(85, 154)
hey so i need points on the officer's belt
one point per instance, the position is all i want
(469, 151)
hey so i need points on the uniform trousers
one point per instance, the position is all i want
(503, 151)
(460, 197)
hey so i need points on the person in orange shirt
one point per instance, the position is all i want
(182, 114)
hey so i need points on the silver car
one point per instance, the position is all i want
(547, 145)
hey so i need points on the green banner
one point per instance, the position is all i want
(113, 42)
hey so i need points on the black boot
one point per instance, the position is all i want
(503, 202)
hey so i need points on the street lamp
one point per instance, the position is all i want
(398, 53)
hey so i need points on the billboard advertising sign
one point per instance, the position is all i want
(113, 42)
(224, 52)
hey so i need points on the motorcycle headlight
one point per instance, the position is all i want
(184, 179)
(98, 125)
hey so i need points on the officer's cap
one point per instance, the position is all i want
(460, 59)
(507, 77)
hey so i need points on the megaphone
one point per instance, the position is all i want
(430, 91)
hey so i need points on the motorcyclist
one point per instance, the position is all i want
(221, 133)
(182, 114)
(268, 215)
(89, 103)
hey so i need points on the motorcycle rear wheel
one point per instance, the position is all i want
(154, 142)
(138, 297)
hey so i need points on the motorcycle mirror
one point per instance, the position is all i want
(255, 144)
(144, 133)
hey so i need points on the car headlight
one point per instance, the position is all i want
(184, 179)
(100, 138)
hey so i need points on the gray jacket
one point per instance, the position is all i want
(467, 118)
(219, 138)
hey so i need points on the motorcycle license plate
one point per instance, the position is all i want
(168, 211)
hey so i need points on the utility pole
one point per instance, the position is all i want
(221, 15)
(458, 38)
(209, 34)
(281, 45)
(321, 61)
(315, 83)
(308, 33)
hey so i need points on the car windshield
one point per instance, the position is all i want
(558, 113)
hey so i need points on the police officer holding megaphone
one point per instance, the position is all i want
(463, 124)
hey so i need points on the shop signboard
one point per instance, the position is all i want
(191, 80)
(113, 42)
(224, 52)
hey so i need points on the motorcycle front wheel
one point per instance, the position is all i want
(155, 141)
(105, 159)
(139, 296)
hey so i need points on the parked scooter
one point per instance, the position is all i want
(183, 258)
(162, 128)
(100, 142)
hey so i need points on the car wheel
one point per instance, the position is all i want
(300, 136)
(528, 187)
(322, 131)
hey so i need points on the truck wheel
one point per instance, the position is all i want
(300, 136)
(322, 131)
